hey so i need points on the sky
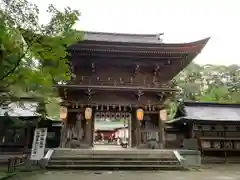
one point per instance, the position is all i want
(180, 20)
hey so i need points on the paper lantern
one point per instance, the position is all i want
(163, 115)
(140, 114)
(88, 113)
(63, 113)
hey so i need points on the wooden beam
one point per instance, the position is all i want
(127, 56)
(156, 48)
(110, 105)
(117, 88)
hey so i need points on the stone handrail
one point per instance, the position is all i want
(180, 158)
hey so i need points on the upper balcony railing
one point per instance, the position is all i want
(88, 80)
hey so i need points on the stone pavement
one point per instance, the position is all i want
(226, 172)
(4, 176)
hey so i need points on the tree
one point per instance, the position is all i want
(189, 81)
(33, 56)
(208, 83)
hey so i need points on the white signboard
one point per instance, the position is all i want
(38, 144)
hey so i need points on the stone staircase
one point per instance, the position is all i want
(115, 159)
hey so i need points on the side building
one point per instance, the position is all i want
(18, 121)
(214, 126)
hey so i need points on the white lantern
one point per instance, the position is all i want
(63, 113)
(163, 115)
(88, 113)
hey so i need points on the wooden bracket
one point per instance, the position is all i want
(93, 68)
(139, 93)
(89, 93)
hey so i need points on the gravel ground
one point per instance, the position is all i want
(227, 172)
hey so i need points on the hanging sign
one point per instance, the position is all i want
(38, 144)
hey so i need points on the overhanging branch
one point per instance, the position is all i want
(15, 67)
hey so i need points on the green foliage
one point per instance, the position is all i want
(172, 109)
(33, 56)
(207, 83)
(210, 83)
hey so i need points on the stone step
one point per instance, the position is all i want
(86, 151)
(110, 157)
(114, 152)
(113, 157)
(114, 166)
(113, 163)
(137, 155)
(82, 158)
(93, 161)
(130, 155)
(102, 152)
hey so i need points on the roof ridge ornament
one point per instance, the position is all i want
(158, 37)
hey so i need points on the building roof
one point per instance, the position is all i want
(118, 50)
(98, 42)
(208, 111)
(17, 109)
(130, 49)
(126, 38)
(122, 37)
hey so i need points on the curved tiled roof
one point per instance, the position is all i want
(138, 44)
(132, 38)
(121, 37)
(209, 111)
(26, 109)
(212, 111)
(136, 49)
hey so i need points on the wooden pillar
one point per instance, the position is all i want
(78, 127)
(93, 128)
(138, 134)
(163, 134)
(63, 138)
(89, 131)
(64, 116)
(191, 131)
(27, 136)
(138, 129)
(135, 129)
(162, 118)
(161, 131)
